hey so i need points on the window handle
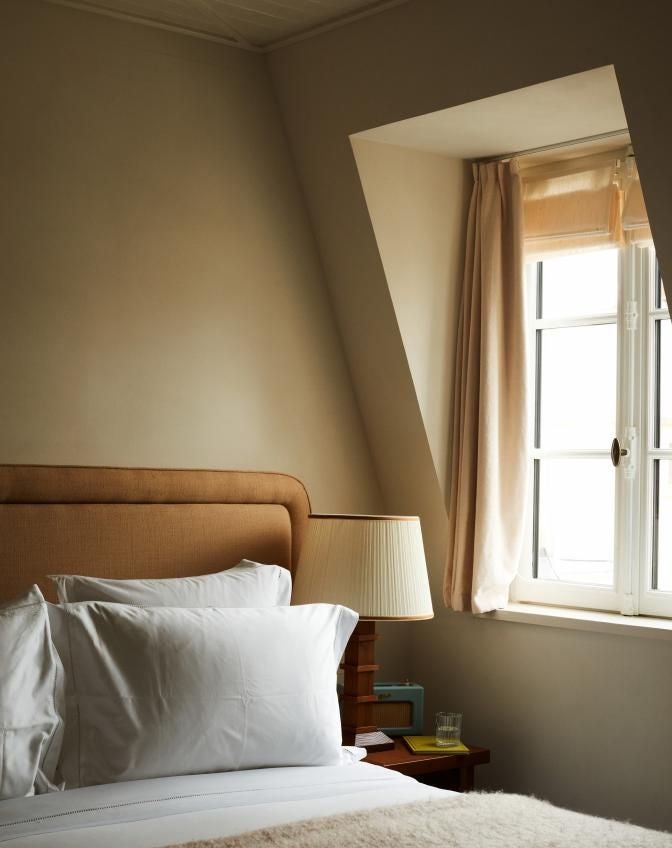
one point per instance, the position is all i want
(617, 452)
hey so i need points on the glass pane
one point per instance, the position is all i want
(578, 387)
(661, 297)
(662, 525)
(580, 284)
(663, 427)
(576, 521)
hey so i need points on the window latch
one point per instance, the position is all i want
(631, 315)
(618, 453)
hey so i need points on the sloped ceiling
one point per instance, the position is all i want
(252, 24)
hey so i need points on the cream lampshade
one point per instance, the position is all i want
(374, 564)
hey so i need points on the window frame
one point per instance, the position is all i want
(652, 602)
(633, 503)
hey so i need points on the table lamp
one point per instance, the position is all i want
(374, 564)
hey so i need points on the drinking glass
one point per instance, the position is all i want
(448, 729)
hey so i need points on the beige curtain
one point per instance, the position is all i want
(490, 442)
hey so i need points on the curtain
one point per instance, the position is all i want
(488, 489)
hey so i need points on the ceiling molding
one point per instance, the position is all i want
(376, 9)
(235, 38)
(83, 6)
(241, 41)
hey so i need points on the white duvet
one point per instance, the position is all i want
(169, 810)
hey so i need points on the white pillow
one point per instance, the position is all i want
(31, 698)
(154, 692)
(248, 584)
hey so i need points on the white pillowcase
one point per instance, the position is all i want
(248, 584)
(31, 698)
(156, 692)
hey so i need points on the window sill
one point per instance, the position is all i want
(642, 626)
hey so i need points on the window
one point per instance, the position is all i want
(600, 536)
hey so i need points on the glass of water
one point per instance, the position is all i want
(448, 729)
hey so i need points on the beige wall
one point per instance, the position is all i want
(418, 203)
(161, 298)
(579, 718)
(568, 690)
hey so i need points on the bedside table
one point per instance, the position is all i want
(447, 771)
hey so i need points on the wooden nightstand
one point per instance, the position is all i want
(447, 771)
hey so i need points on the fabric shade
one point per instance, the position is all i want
(372, 564)
(571, 205)
(583, 203)
(635, 218)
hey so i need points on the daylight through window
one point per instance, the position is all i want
(600, 534)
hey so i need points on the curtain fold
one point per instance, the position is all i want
(490, 442)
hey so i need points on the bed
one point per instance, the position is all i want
(119, 524)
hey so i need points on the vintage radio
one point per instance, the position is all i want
(399, 708)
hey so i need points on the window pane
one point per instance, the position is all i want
(576, 521)
(662, 525)
(578, 387)
(661, 297)
(664, 428)
(580, 284)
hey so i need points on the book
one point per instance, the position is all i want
(376, 741)
(427, 745)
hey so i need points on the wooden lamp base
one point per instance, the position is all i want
(358, 696)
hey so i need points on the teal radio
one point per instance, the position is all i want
(399, 708)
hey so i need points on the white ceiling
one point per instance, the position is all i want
(574, 107)
(255, 24)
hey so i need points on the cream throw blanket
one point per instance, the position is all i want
(474, 820)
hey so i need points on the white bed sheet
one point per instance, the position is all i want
(153, 813)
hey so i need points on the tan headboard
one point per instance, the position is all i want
(142, 522)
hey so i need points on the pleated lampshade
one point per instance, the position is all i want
(374, 564)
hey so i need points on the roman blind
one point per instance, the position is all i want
(635, 220)
(583, 203)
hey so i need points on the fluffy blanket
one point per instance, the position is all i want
(474, 820)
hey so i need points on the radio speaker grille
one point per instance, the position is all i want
(394, 714)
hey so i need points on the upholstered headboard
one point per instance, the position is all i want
(142, 522)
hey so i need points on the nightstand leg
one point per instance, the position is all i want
(466, 778)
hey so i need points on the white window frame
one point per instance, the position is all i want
(633, 524)
(651, 602)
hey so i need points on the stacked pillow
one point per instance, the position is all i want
(31, 698)
(178, 676)
(248, 584)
